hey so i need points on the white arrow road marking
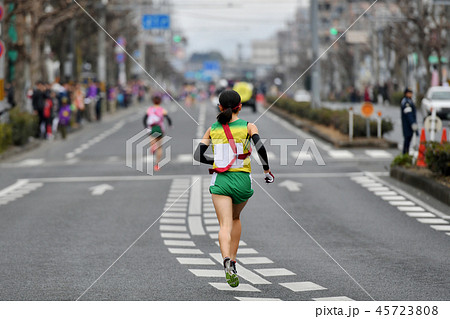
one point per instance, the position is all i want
(291, 185)
(100, 189)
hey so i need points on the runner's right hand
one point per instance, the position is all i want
(269, 177)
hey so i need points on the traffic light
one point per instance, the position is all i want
(334, 31)
(177, 38)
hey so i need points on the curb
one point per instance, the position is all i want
(17, 150)
(294, 120)
(428, 185)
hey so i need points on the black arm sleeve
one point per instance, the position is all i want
(200, 156)
(261, 151)
(169, 120)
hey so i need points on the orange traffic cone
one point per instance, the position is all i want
(444, 136)
(421, 158)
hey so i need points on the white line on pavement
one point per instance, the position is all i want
(302, 286)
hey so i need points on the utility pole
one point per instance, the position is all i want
(314, 7)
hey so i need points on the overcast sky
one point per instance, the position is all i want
(222, 24)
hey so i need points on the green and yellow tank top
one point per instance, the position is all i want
(223, 153)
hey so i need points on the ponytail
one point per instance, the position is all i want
(225, 116)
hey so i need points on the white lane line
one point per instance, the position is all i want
(410, 209)
(195, 225)
(241, 287)
(441, 227)
(208, 272)
(378, 154)
(447, 234)
(432, 221)
(247, 251)
(211, 221)
(31, 162)
(255, 260)
(341, 154)
(175, 215)
(271, 272)
(388, 198)
(172, 228)
(185, 251)
(210, 229)
(175, 235)
(338, 298)
(172, 221)
(423, 215)
(187, 243)
(243, 272)
(302, 286)
(257, 299)
(195, 261)
(402, 203)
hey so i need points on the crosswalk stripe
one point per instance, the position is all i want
(423, 215)
(175, 235)
(241, 244)
(410, 209)
(209, 215)
(172, 228)
(393, 198)
(402, 203)
(243, 272)
(385, 193)
(378, 189)
(212, 228)
(241, 287)
(195, 261)
(378, 154)
(257, 299)
(340, 154)
(208, 273)
(270, 272)
(338, 298)
(210, 221)
(179, 243)
(255, 260)
(186, 251)
(432, 221)
(371, 184)
(176, 209)
(441, 227)
(247, 251)
(302, 286)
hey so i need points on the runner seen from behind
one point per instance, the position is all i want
(154, 122)
(231, 184)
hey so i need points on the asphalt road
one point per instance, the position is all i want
(76, 223)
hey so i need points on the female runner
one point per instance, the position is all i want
(231, 184)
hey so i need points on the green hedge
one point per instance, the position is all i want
(23, 125)
(437, 157)
(335, 118)
(403, 160)
(5, 136)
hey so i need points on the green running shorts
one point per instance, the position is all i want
(237, 185)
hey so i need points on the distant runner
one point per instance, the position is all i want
(231, 184)
(154, 122)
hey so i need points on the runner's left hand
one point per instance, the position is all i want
(269, 177)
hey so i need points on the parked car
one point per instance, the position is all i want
(302, 96)
(437, 97)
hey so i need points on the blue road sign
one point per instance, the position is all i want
(155, 21)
